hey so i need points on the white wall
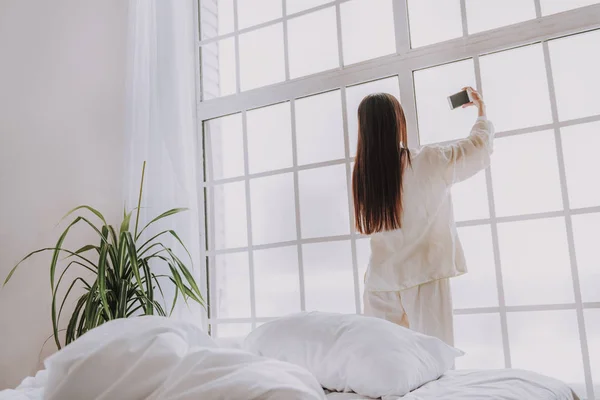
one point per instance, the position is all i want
(62, 72)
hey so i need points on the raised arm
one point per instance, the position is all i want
(465, 157)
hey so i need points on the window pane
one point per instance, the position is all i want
(250, 13)
(479, 336)
(313, 44)
(535, 262)
(324, 202)
(363, 254)
(547, 342)
(328, 277)
(319, 128)
(367, 30)
(229, 211)
(556, 6)
(525, 174)
(437, 122)
(218, 69)
(444, 15)
(355, 94)
(220, 331)
(269, 138)
(483, 15)
(277, 282)
(261, 57)
(273, 209)
(580, 149)
(592, 328)
(294, 6)
(225, 138)
(575, 66)
(476, 288)
(470, 199)
(232, 290)
(515, 88)
(587, 242)
(216, 17)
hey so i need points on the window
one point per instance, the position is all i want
(278, 154)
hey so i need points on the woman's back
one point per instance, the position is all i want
(426, 247)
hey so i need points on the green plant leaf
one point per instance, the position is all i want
(102, 266)
(161, 216)
(125, 223)
(93, 210)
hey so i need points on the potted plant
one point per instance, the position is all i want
(119, 282)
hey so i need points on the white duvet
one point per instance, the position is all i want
(154, 358)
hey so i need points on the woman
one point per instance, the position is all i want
(402, 199)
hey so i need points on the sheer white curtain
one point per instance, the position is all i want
(161, 124)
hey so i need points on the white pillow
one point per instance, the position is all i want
(354, 353)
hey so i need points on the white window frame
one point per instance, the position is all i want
(402, 64)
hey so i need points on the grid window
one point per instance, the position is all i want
(547, 342)
(328, 277)
(250, 13)
(228, 207)
(444, 15)
(575, 69)
(324, 202)
(437, 122)
(225, 142)
(295, 6)
(216, 17)
(232, 283)
(483, 15)
(592, 324)
(219, 77)
(273, 209)
(535, 262)
(515, 88)
(480, 337)
(319, 128)
(477, 288)
(276, 278)
(355, 94)
(269, 138)
(525, 174)
(278, 162)
(367, 30)
(313, 43)
(262, 61)
(580, 147)
(587, 242)
(470, 199)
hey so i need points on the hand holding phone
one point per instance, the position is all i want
(466, 98)
(459, 99)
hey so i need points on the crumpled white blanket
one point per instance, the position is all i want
(158, 358)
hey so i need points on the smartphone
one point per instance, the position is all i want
(458, 99)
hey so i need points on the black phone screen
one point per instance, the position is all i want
(458, 99)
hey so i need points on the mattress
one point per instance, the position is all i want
(506, 384)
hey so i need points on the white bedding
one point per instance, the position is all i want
(506, 384)
(480, 385)
(153, 358)
(161, 359)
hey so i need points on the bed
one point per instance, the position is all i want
(157, 358)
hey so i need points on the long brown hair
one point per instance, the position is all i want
(381, 157)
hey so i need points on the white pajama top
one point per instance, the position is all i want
(427, 246)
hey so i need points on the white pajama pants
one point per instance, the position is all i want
(425, 308)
